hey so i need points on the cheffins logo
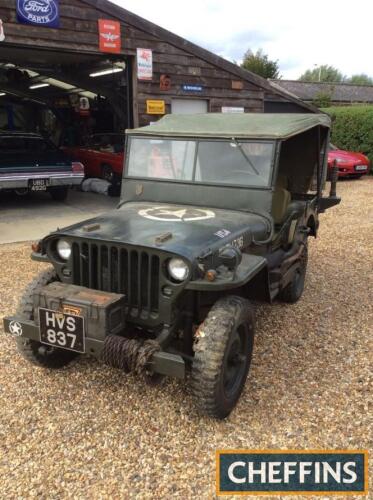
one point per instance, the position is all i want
(39, 12)
(340, 472)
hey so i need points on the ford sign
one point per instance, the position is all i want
(38, 12)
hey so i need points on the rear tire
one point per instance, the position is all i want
(59, 194)
(223, 350)
(35, 352)
(294, 290)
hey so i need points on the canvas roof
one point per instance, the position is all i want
(243, 125)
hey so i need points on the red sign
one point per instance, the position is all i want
(109, 34)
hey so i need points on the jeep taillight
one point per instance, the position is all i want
(77, 167)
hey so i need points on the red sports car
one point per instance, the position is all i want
(102, 156)
(350, 164)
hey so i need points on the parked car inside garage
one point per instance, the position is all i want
(30, 163)
(350, 164)
(102, 156)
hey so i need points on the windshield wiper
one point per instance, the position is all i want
(245, 155)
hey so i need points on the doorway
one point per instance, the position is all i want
(189, 106)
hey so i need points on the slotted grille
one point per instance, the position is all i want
(119, 269)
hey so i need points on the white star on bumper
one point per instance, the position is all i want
(15, 328)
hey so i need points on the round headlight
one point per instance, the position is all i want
(178, 269)
(64, 249)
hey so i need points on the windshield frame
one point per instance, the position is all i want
(198, 140)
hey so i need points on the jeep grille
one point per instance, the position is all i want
(111, 268)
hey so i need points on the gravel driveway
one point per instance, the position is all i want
(90, 431)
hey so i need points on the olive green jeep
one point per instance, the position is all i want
(215, 212)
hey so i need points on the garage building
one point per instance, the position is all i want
(76, 67)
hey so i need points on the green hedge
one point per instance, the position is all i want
(352, 128)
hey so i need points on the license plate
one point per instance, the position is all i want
(38, 184)
(360, 167)
(58, 329)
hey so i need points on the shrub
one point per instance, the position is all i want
(352, 128)
(322, 99)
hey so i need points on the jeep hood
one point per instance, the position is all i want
(179, 229)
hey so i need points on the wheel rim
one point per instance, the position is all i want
(21, 191)
(235, 361)
(108, 174)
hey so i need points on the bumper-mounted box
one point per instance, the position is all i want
(105, 329)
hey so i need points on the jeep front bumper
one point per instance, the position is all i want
(55, 179)
(92, 322)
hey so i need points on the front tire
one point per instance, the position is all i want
(223, 350)
(35, 352)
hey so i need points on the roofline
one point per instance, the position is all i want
(277, 81)
(139, 22)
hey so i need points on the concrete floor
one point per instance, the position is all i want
(34, 216)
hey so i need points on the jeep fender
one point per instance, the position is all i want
(250, 266)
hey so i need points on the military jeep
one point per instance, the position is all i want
(215, 212)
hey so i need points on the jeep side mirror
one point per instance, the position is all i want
(333, 199)
(334, 180)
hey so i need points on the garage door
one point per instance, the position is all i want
(189, 106)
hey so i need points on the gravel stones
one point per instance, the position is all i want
(89, 431)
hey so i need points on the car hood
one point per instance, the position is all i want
(347, 156)
(180, 229)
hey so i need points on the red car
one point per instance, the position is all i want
(102, 156)
(350, 164)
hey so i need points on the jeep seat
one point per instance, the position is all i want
(281, 200)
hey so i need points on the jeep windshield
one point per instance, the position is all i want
(230, 162)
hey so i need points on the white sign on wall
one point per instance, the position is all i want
(144, 64)
(2, 34)
(232, 109)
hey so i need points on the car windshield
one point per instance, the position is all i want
(30, 144)
(232, 162)
(110, 143)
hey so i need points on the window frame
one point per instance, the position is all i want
(198, 140)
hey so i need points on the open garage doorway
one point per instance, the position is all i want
(64, 95)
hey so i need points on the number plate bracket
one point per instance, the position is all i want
(62, 330)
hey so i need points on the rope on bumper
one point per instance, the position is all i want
(129, 355)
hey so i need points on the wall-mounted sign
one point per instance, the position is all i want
(165, 82)
(232, 109)
(144, 64)
(109, 35)
(237, 85)
(155, 107)
(2, 34)
(84, 106)
(189, 87)
(39, 12)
